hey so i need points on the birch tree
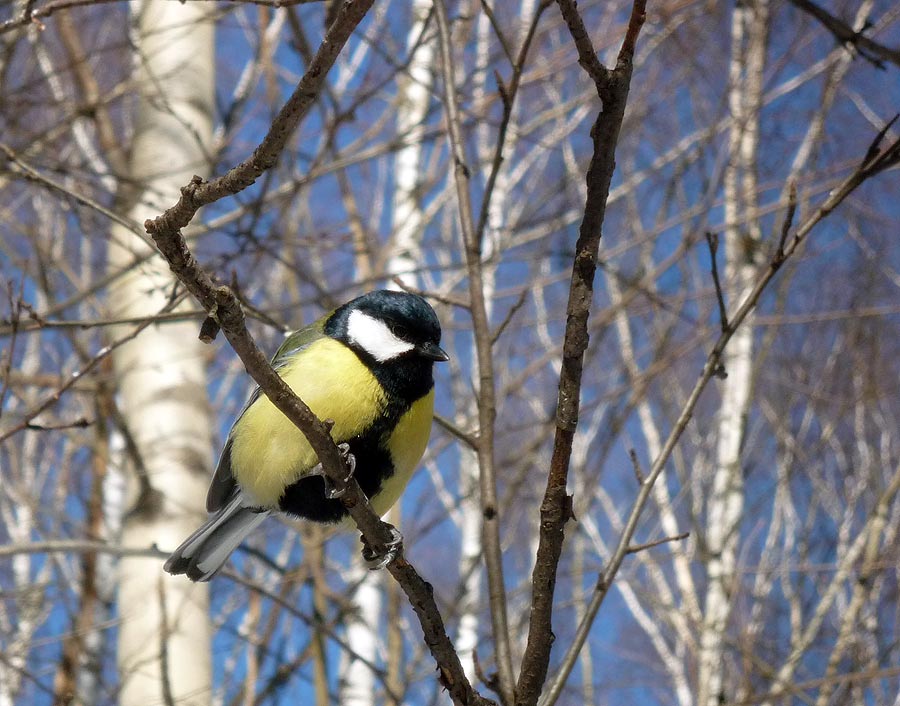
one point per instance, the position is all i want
(732, 537)
(161, 373)
(743, 244)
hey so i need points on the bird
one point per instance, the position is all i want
(367, 366)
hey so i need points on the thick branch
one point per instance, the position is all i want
(225, 309)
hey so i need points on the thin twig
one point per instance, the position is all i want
(469, 439)
(8, 356)
(796, 688)
(487, 410)
(635, 548)
(587, 55)
(636, 466)
(80, 423)
(29, 172)
(30, 16)
(80, 546)
(38, 323)
(508, 96)
(26, 419)
(712, 239)
(492, 18)
(868, 49)
(457, 302)
(518, 304)
(199, 193)
(168, 697)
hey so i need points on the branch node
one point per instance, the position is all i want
(502, 90)
(786, 225)
(463, 168)
(569, 508)
(876, 159)
(209, 329)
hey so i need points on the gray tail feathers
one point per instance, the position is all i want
(202, 554)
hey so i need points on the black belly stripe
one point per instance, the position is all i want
(306, 497)
(405, 381)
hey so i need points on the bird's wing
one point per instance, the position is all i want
(223, 483)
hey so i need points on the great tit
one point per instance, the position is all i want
(367, 366)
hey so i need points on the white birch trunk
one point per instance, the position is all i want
(357, 686)
(413, 98)
(163, 650)
(742, 238)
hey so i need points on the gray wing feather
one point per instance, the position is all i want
(223, 484)
(202, 554)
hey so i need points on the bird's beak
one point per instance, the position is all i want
(432, 351)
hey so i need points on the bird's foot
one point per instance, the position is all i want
(332, 492)
(376, 558)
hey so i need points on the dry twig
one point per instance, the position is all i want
(487, 409)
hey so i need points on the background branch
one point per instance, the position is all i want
(869, 49)
(487, 409)
(875, 161)
(556, 508)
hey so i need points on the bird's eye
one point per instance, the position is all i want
(399, 330)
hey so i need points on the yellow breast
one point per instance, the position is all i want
(269, 453)
(406, 446)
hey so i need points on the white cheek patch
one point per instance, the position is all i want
(374, 337)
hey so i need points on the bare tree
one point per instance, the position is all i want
(664, 462)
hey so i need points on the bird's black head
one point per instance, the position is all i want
(386, 326)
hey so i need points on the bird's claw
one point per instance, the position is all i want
(332, 492)
(376, 559)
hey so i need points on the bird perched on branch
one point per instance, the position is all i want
(366, 366)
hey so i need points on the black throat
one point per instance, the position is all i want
(405, 379)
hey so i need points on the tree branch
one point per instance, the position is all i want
(875, 161)
(199, 193)
(712, 240)
(556, 508)
(31, 15)
(222, 304)
(26, 420)
(873, 52)
(487, 410)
